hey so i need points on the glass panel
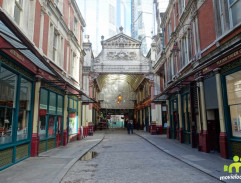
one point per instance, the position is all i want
(234, 88)
(235, 113)
(7, 88)
(43, 99)
(6, 119)
(59, 125)
(75, 104)
(236, 13)
(71, 105)
(22, 132)
(60, 105)
(42, 126)
(52, 103)
(25, 94)
(51, 130)
(73, 123)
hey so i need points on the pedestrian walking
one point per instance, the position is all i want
(128, 126)
(131, 126)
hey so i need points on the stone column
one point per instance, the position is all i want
(204, 133)
(180, 118)
(168, 120)
(79, 119)
(65, 130)
(35, 137)
(223, 141)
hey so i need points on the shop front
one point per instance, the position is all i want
(16, 104)
(174, 122)
(72, 118)
(231, 81)
(50, 127)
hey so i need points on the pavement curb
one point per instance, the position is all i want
(65, 169)
(207, 172)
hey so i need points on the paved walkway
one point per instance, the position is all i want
(123, 158)
(50, 166)
(210, 163)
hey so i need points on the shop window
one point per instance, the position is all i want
(52, 103)
(51, 126)
(43, 113)
(235, 13)
(24, 109)
(7, 104)
(234, 101)
(18, 8)
(73, 128)
(60, 105)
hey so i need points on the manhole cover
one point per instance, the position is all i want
(106, 146)
(88, 156)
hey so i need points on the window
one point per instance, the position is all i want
(220, 4)
(55, 45)
(56, 2)
(17, 10)
(181, 6)
(43, 113)
(73, 69)
(233, 82)
(234, 12)
(169, 30)
(75, 25)
(73, 116)
(24, 109)
(7, 104)
(184, 51)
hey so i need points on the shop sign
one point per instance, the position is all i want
(43, 112)
(223, 61)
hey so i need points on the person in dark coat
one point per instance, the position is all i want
(131, 126)
(128, 126)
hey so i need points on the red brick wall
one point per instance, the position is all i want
(206, 24)
(66, 11)
(172, 19)
(37, 24)
(71, 19)
(45, 34)
(1, 3)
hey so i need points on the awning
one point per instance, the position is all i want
(86, 99)
(161, 98)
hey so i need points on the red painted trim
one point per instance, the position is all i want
(65, 137)
(79, 134)
(204, 144)
(34, 145)
(168, 132)
(223, 143)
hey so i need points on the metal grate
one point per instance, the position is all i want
(22, 151)
(6, 157)
(50, 144)
(42, 146)
(236, 148)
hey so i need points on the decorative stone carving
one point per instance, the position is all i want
(121, 55)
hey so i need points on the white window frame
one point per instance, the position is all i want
(230, 6)
(55, 45)
(220, 3)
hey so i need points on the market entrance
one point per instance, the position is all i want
(118, 71)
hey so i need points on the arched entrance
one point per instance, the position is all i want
(118, 71)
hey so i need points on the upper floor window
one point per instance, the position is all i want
(75, 25)
(221, 14)
(169, 30)
(55, 45)
(17, 10)
(234, 12)
(56, 2)
(181, 6)
(184, 51)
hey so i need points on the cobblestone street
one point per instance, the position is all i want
(129, 158)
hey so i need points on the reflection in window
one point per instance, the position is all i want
(52, 103)
(24, 106)
(42, 127)
(73, 123)
(60, 105)
(235, 6)
(51, 127)
(234, 101)
(7, 103)
(6, 121)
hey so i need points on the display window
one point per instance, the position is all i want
(73, 116)
(233, 82)
(51, 106)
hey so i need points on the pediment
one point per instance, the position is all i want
(121, 40)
